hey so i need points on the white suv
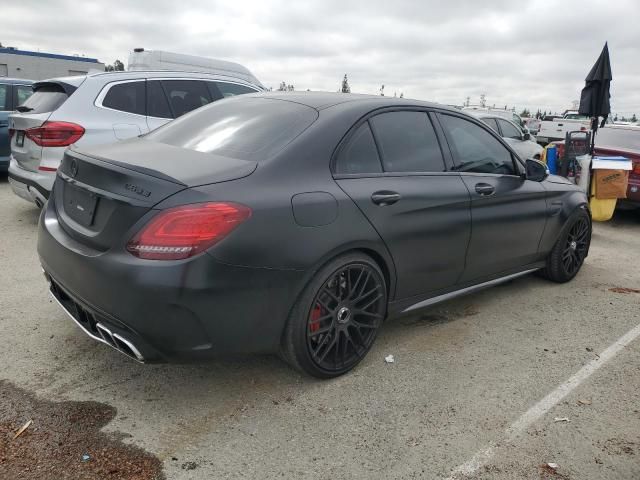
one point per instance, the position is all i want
(103, 108)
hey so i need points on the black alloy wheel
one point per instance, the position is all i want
(576, 246)
(336, 321)
(571, 248)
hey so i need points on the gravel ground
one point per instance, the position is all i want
(465, 371)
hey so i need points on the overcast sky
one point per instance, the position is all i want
(533, 54)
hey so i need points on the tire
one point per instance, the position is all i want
(571, 248)
(335, 321)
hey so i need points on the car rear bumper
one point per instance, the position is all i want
(31, 186)
(167, 310)
(4, 164)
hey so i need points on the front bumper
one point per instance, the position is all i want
(31, 186)
(167, 310)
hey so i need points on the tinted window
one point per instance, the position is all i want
(186, 95)
(127, 97)
(4, 89)
(509, 130)
(23, 92)
(475, 149)
(157, 105)
(359, 155)
(248, 129)
(492, 123)
(407, 142)
(45, 99)
(231, 89)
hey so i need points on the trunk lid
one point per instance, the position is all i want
(102, 192)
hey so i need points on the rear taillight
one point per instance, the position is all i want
(185, 231)
(636, 168)
(55, 134)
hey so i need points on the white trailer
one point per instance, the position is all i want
(40, 65)
(141, 59)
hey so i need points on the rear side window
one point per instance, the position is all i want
(157, 104)
(407, 142)
(126, 97)
(231, 89)
(22, 92)
(360, 154)
(509, 130)
(46, 98)
(244, 128)
(475, 149)
(4, 96)
(186, 95)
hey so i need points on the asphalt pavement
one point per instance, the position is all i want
(497, 385)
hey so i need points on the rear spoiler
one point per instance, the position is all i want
(65, 87)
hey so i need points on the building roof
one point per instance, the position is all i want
(15, 51)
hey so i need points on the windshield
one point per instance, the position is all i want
(243, 128)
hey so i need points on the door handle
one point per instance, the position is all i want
(485, 189)
(385, 197)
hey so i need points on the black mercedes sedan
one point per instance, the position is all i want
(296, 223)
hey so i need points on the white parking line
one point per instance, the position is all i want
(483, 456)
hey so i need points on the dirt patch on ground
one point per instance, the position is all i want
(64, 441)
(624, 290)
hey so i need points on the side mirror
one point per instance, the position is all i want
(536, 170)
(526, 136)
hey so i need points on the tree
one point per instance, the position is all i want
(345, 85)
(117, 66)
(401, 95)
(615, 119)
(382, 90)
(1, 45)
(634, 119)
(525, 113)
(284, 87)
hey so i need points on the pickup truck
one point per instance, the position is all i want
(557, 128)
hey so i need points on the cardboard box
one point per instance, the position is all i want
(611, 184)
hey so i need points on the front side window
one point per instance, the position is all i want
(23, 92)
(407, 142)
(126, 97)
(492, 122)
(231, 89)
(360, 154)
(474, 149)
(509, 130)
(4, 89)
(186, 95)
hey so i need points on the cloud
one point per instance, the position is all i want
(533, 54)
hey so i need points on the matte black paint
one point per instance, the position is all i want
(440, 235)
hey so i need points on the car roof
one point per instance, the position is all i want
(322, 100)
(16, 81)
(135, 74)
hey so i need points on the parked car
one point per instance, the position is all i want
(496, 112)
(557, 128)
(101, 108)
(13, 92)
(620, 140)
(533, 124)
(522, 142)
(297, 223)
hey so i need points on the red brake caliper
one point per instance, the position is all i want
(316, 314)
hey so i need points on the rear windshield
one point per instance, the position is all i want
(45, 99)
(243, 128)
